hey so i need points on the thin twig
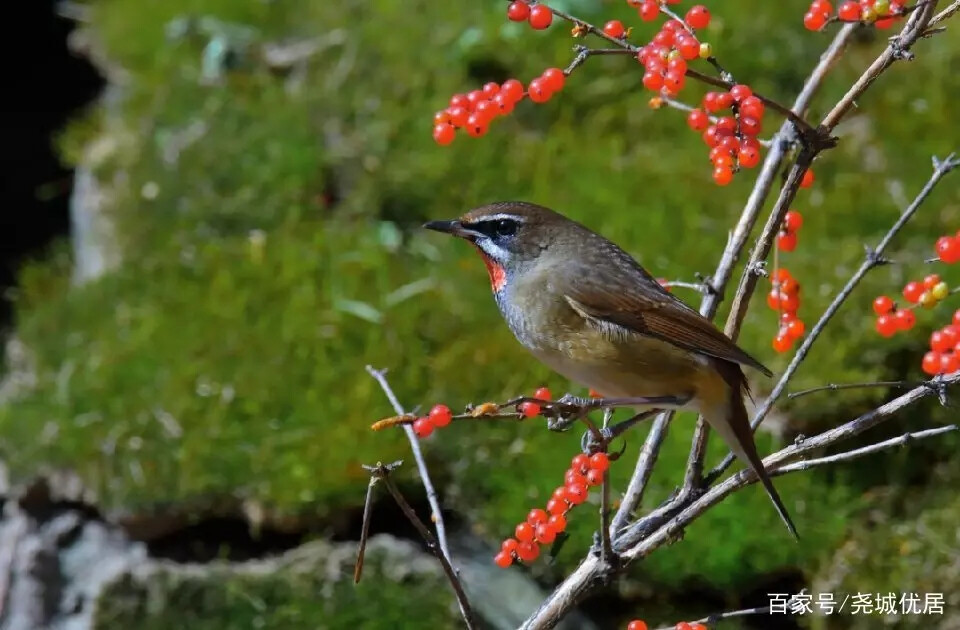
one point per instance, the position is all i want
(748, 218)
(838, 386)
(901, 440)
(872, 259)
(432, 497)
(364, 530)
(713, 619)
(383, 473)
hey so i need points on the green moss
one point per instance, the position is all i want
(226, 356)
(309, 588)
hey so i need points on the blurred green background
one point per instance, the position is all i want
(268, 222)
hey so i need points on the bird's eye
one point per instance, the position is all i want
(505, 227)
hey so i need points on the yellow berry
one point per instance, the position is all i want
(868, 15)
(882, 7)
(927, 300)
(706, 50)
(940, 291)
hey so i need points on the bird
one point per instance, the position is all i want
(589, 311)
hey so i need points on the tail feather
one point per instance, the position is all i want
(735, 430)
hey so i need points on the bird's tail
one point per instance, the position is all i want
(733, 424)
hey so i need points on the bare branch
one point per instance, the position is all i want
(833, 387)
(856, 453)
(605, 545)
(941, 168)
(383, 473)
(364, 530)
(432, 498)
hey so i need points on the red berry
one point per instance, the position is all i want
(931, 363)
(580, 463)
(673, 81)
(556, 506)
(528, 551)
(477, 125)
(491, 89)
(440, 415)
(710, 102)
(518, 11)
(545, 534)
(698, 120)
(956, 317)
(459, 116)
(529, 409)
(726, 126)
(599, 461)
(652, 81)
(503, 559)
(509, 545)
(722, 175)
(697, 626)
(422, 427)
(723, 159)
(542, 393)
(740, 92)
(554, 79)
(504, 103)
(807, 180)
(697, 17)
(948, 249)
(459, 100)
(750, 126)
(940, 342)
(710, 137)
(748, 156)
(882, 305)
(573, 475)
(614, 28)
(560, 492)
(444, 133)
(558, 522)
(441, 117)
(524, 532)
(814, 21)
(474, 97)
(912, 292)
(636, 624)
(949, 363)
(689, 48)
(539, 91)
(753, 107)
(512, 89)
(677, 65)
(796, 328)
(649, 10)
(793, 220)
(536, 516)
(905, 319)
(931, 281)
(787, 241)
(540, 17)
(576, 493)
(849, 11)
(665, 38)
(886, 325)
(594, 477)
(782, 343)
(487, 109)
(822, 6)
(724, 100)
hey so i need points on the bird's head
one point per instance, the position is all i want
(510, 236)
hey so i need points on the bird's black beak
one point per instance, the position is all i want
(454, 228)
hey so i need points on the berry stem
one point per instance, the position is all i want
(838, 386)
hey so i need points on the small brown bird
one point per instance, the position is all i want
(588, 310)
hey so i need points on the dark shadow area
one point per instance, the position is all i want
(43, 85)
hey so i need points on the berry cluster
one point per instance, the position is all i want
(475, 110)
(784, 298)
(733, 138)
(890, 319)
(944, 355)
(530, 409)
(881, 13)
(665, 57)
(543, 526)
(539, 16)
(439, 416)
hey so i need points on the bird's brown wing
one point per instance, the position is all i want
(628, 297)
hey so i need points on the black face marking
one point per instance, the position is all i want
(496, 228)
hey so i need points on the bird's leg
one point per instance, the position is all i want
(589, 444)
(569, 408)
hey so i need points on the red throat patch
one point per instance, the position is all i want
(498, 275)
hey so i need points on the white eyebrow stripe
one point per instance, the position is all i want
(500, 217)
